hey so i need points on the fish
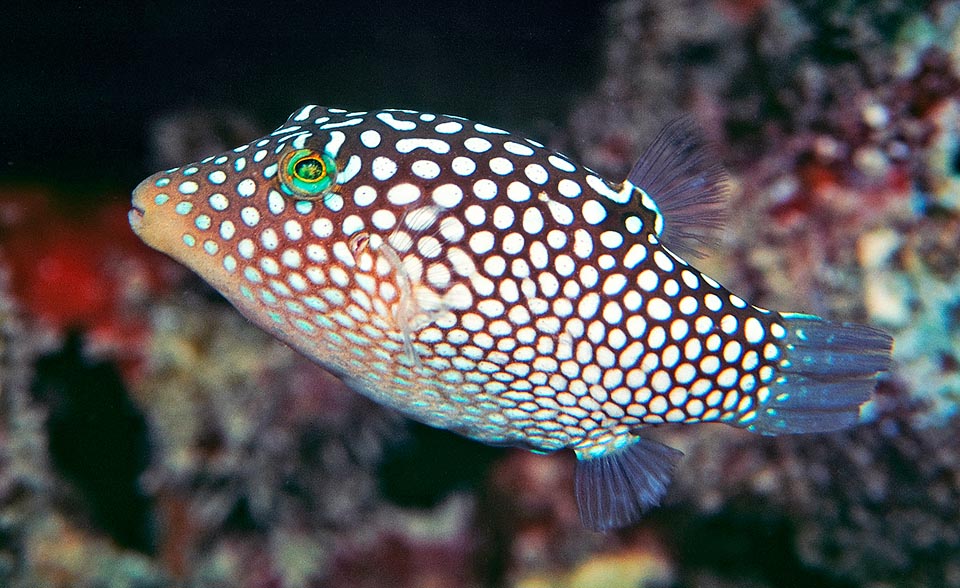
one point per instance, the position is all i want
(477, 281)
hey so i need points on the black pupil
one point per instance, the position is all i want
(309, 169)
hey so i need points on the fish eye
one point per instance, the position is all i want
(307, 174)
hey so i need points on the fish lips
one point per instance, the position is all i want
(140, 203)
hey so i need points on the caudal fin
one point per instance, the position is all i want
(614, 489)
(830, 370)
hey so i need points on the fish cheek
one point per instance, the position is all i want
(170, 234)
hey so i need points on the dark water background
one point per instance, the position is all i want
(82, 80)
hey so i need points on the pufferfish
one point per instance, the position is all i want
(479, 282)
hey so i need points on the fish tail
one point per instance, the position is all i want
(828, 370)
(614, 488)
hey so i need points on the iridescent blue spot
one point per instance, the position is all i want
(240, 164)
(276, 317)
(251, 274)
(203, 222)
(436, 363)
(334, 202)
(190, 171)
(304, 206)
(189, 240)
(392, 346)
(188, 187)
(304, 325)
(221, 160)
(161, 199)
(246, 292)
(162, 182)
(323, 321)
(357, 339)
(334, 296)
(268, 297)
(315, 303)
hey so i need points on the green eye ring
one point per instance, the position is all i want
(307, 174)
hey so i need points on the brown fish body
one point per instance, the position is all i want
(478, 282)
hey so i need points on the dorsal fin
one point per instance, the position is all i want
(687, 184)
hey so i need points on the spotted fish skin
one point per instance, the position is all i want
(479, 282)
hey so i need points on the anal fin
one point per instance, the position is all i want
(615, 488)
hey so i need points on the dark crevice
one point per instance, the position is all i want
(97, 439)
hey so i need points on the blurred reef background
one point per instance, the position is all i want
(151, 437)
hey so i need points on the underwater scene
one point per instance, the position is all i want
(590, 294)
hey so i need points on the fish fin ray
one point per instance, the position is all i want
(833, 369)
(614, 489)
(405, 308)
(688, 185)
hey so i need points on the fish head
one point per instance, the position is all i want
(246, 209)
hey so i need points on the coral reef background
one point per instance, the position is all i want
(149, 436)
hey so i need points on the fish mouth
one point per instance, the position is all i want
(135, 218)
(138, 208)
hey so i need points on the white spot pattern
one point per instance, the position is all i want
(481, 275)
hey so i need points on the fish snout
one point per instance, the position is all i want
(146, 216)
(142, 196)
